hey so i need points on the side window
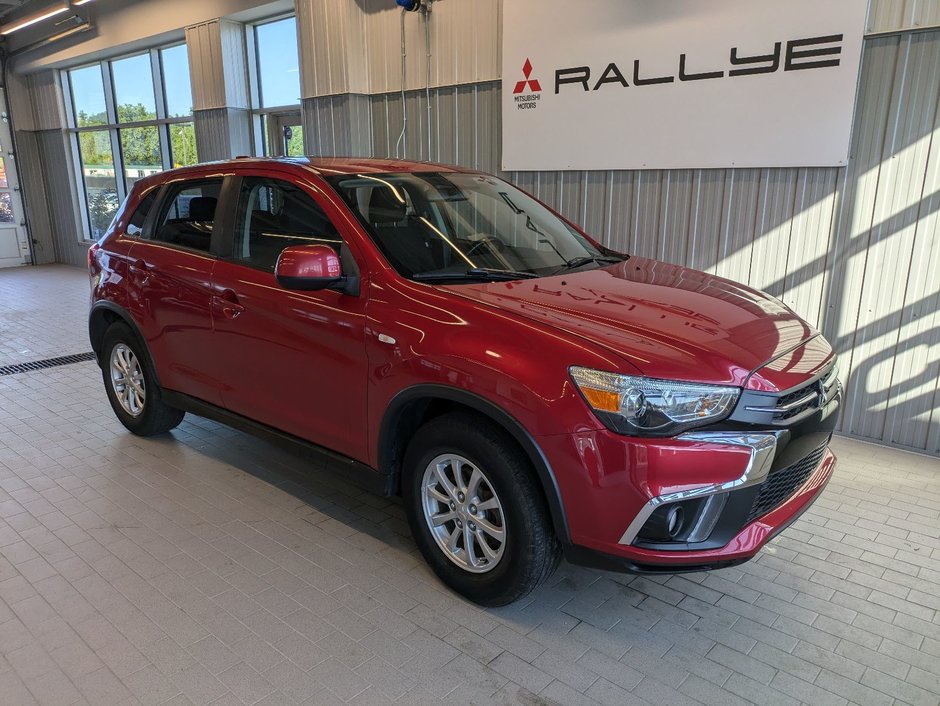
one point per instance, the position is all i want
(273, 215)
(135, 225)
(188, 214)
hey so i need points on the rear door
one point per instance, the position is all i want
(292, 360)
(170, 275)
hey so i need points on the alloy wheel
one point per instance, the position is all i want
(463, 512)
(127, 380)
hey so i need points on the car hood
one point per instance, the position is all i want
(666, 321)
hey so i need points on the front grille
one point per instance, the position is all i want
(805, 399)
(783, 483)
(810, 400)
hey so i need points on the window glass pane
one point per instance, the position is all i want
(190, 215)
(98, 174)
(6, 208)
(3, 174)
(183, 144)
(295, 144)
(278, 66)
(136, 224)
(140, 149)
(176, 86)
(88, 96)
(273, 215)
(133, 89)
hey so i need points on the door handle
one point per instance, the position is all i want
(226, 303)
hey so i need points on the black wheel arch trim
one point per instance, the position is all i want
(127, 319)
(506, 421)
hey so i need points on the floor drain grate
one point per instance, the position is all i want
(43, 364)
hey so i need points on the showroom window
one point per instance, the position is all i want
(131, 117)
(275, 81)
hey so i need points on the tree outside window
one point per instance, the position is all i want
(132, 117)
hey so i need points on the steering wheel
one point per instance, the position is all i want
(480, 239)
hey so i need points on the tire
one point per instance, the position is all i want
(501, 572)
(138, 404)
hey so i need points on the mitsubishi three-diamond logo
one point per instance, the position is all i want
(530, 87)
(532, 83)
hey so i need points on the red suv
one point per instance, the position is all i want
(438, 334)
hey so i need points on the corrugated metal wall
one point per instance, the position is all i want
(893, 15)
(855, 251)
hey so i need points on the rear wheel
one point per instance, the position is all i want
(476, 510)
(131, 385)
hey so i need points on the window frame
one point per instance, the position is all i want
(261, 114)
(221, 225)
(234, 203)
(113, 126)
(154, 193)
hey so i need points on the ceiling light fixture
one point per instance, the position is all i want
(33, 19)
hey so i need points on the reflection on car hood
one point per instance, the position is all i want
(667, 321)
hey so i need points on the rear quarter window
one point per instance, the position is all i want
(135, 226)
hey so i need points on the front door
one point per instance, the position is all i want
(14, 240)
(290, 359)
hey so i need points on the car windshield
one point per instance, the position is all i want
(462, 227)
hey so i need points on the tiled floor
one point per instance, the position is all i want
(209, 567)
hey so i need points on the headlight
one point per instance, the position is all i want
(646, 407)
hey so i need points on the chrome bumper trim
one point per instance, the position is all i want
(763, 448)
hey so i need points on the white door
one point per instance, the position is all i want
(14, 243)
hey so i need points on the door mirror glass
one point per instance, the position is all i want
(309, 268)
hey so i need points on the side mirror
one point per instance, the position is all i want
(310, 268)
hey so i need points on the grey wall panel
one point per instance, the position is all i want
(332, 45)
(893, 15)
(234, 63)
(222, 133)
(211, 133)
(338, 125)
(206, 69)
(465, 44)
(19, 100)
(217, 65)
(900, 203)
(48, 108)
(61, 198)
(29, 161)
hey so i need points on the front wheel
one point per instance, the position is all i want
(476, 510)
(131, 385)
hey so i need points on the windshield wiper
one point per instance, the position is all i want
(587, 260)
(479, 273)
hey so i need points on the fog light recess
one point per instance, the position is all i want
(687, 521)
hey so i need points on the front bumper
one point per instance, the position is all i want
(742, 547)
(760, 477)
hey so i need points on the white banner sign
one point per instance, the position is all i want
(667, 84)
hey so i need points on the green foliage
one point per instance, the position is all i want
(183, 144)
(295, 145)
(95, 148)
(140, 146)
(102, 205)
